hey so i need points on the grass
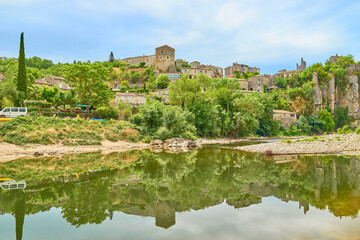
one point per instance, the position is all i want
(70, 132)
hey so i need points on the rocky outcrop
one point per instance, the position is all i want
(330, 95)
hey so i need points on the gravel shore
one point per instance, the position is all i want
(327, 144)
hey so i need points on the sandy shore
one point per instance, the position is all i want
(329, 144)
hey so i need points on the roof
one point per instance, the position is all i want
(165, 46)
(283, 112)
(42, 81)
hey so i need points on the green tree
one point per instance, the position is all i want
(185, 91)
(303, 125)
(162, 81)
(341, 117)
(22, 77)
(89, 82)
(327, 120)
(111, 57)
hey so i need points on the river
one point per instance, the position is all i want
(212, 193)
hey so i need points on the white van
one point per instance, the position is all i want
(13, 112)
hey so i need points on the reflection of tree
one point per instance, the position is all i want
(87, 203)
(158, 184)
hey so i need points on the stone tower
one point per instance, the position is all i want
(302, 66)
(165, 59)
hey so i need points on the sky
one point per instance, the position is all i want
(270, 34)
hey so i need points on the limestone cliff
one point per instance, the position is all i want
(332, 96)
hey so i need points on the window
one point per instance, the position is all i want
(160, 57)
(139, 97)
(167, 57)
(258, 80)
(185, 71)
(195, 71)
(14, 109)
(258, 90)
(204, 71)
(129, 97)
(22, 110)
(259, 84)
(200, 71)
(170, 76)
(7, 110)
(122, 97)
(162, 51)
(292, 115)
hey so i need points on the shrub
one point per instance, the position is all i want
(345, 130)
(163, 133)
(130, 134)
(357, 130)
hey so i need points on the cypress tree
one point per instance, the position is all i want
(22, 79)
(111, 57)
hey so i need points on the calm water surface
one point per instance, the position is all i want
(211, 193)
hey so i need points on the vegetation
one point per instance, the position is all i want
(44, 130)
(21, 78)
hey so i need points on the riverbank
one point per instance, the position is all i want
(328, 144)
(9, 152)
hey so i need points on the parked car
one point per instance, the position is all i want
(13, 112)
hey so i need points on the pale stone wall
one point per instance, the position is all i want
(57, 81)
(285, 118)
(134, 99)
(244, 84)
(148, 60)
(197, 71)
(165, 59)
(240, 68)
(256, 83)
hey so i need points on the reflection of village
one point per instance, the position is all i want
(334, 185)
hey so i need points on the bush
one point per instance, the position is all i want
(109, 112)
(189, 135)
(163, 134)
(130, 134)
(345, 130)
(357, 130)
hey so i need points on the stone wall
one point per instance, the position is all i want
(165, 59)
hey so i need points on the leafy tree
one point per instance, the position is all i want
(89, 82)
(178, 121)
(327, 121)
(267, 126)
(247, 111)
(125, 84)
(162, 81)
(303, 125)
(341, 117)
(150, 115)
(185, 91)
(22, 78)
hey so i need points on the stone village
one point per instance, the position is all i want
(164, 62)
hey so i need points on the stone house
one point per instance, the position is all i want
(258, 83)
(197, 68)
(41, 82)
(163, 60)
(134, 99)
(285, 118)
(57, 81)
(230, 71)
(244, 84)
(164, 93)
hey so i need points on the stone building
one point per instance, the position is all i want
(163, 60)
(244, 84)
(197, 68)
(134, 99)
(333, 59)
(230, 71)
(57, 81)
(288, 74)
(41, 82)
(258, 83)
(285, 118)
(164, 93)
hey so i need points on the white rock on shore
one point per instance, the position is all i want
(328, 144)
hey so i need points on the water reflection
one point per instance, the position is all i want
(89, 188)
